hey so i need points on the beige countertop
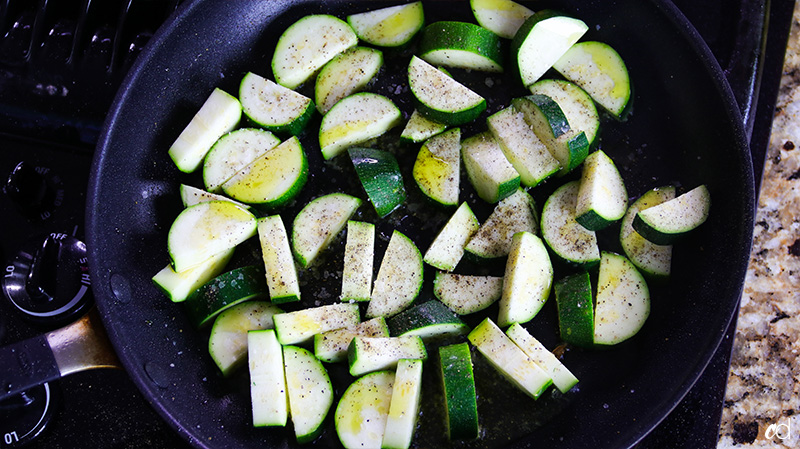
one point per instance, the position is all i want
(762, 400)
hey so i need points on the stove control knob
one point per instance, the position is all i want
(23, 417)
(48, 280)
(35, 190)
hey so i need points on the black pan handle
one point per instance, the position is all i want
(79, 346)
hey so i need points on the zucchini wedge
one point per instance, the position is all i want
(279, 265)
(576, 104)
(669, 221)
(563, 379)
(461, 45)
(623, 300)
(488, 170)
(392, 26)
(318, 223)
(527, 281)
(380, 176)
(268, 396)
(227, 343)
(363, 410)
(347, 73)
(575, 309)
(234, 151)
(310, 392)
(359, 254)
(300, 326)
(564, 236)
(602, 197)
(437, 168)
(420, 128)
(455, 363)
(651, 259)
(224, 291)
(440, 97)
(331, 346)
(274, 107)
(447, 247)
(465, 294)
(399, 278)
(404, 407)
(516, 213)
(429, 320)
(369, 354)
(502, 17)
(356, 119)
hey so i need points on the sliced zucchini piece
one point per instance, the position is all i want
(437, 169)
(600, 71)
(232, 152)
(563, 379)
(399, 278)
(527, 281)
(461, 407)
(225, 291)
(490, 173)
(273, 179)
(281, 272)
(227, 343)
(354, 120)
(516, 213)
(404, 407)
(419, 128)
(300, 326)
(623, 300)
(461, 45)
(274, 107)
(523, 149)
(602, 197)
(651, 259)
(465, 294)
(545, 117)
(192, 195)
(392, 26)
(369, 354)
(310, 392)
(318, 222)
(380, 175)
(178, 286)
(502, 17)
(349, 72)
(447, 247)
(565, 236)
(219, 114)
(575, 309)
(541, 40)
(440, 97)
(331, 346)
(363, 410)
(359, 254)
(574, 102)
(428, 320)
(307, 45)
(667, 222)
(509, 359)
(267, 379)
(207, 229)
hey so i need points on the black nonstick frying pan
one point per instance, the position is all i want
(685, 128)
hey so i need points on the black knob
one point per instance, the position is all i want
(34, 190)
(48, 280)
(23, 417)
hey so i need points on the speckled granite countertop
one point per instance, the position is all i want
(762, 401)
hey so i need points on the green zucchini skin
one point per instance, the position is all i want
(459, 388)
(671, 220)
(461, 45)
(380, 175)
(224, 291)
(575, 309)
(429, 320)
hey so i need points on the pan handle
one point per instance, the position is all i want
(79, 346)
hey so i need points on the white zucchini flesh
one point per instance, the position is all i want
(331, 346)
(575, 103)
(502, 17)
(178, 286)
(234, 151)
(600, 71)
(369, 354)
(206, 229)
(447, 247)
(318, 223)
(191, 195)
(509, 359)
(562, 377)
(602, 196)
(622, 300)
(652, 259)
(272, 106)
(268, 396)
(565, 236)
(404, 406)
(363, 410)
(541, 41)
(280, 269)
(310, 392)
(359, 255)
(420, 128)
(227, 343)
(356, 119)
(441, 98)
(349, 72)
(465, 294)
(399, 278)
(527, 281)
(488, 170)
(388, 27)
(524, 150)
(437, 168)
(666, 222)
(219, 114)
(300, 326)
(307, 45)
(516, 213)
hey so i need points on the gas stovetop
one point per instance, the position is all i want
(61, 62)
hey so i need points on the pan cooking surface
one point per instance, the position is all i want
(685, 129)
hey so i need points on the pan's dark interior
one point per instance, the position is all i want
(684, 129)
